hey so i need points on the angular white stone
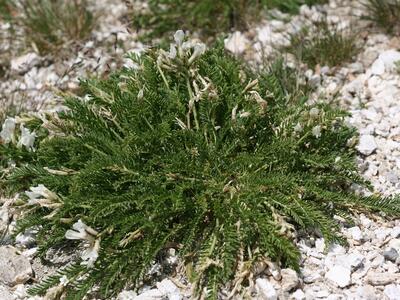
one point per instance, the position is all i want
(395, 243)
(355, 260)
(320, 245)
(366, 292)
(236, 43)
(356, 233)
(367, 144)
(265, 289)
(395, 232)
(298, 295)
(126, 295)
(339, 275)
(24, 63)
(14, 268)
(382, 278)
(389, 58)
(378, 67)
(290, 280)
(392, 291)
(5, 293)
(168, 288)
(153, 294)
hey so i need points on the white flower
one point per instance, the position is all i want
(81, 232)
(42, 196)
(85, 233)
(40, 190)
(199, 49)
(90, 255)
(27, 138)
(298, 128)
(234, 110)
(172, 51)
(244, 114)
(7, 130)
(140, 94)
(187, 45)
(314, 112)
(316, 131)
(64, 280)
(179, 37)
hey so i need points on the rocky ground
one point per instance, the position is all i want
(369, 87)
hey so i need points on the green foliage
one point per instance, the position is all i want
(208, 17)
(195, 152)
(49, 24)
(385, 13)
(322, 44)
(397, 65)
(13, 153)
(5, 10)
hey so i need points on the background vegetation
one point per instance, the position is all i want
(324, 45)
(208, 17)
(385, 13)
(49, 24)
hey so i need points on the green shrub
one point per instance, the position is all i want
(193, 151)
(208, 17)
(49, 24)
(322, 44)
(385, 13)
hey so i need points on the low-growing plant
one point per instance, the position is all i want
(321, 44)
(190, 150)
(49, 24)
(385, 13)
(207, 17)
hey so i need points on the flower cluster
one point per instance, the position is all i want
(80, 231)
(312, 120)
(43, 197)
(8, 134)
(186, 51)
(180, 59)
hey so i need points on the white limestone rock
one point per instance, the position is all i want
(24, 63)
(339, 275)
(389, 58)
(298, 295)
(367, 144)
(153, 294)
(169, 289)
(5, 293)
(392, 291)
(366, 292)
(375, 278)
(237, 43)
(126, 295)
(356, 233)
(14, 268)
(378, 67)
(265, 289)
(290, 280)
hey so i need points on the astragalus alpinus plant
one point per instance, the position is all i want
(194, 151)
